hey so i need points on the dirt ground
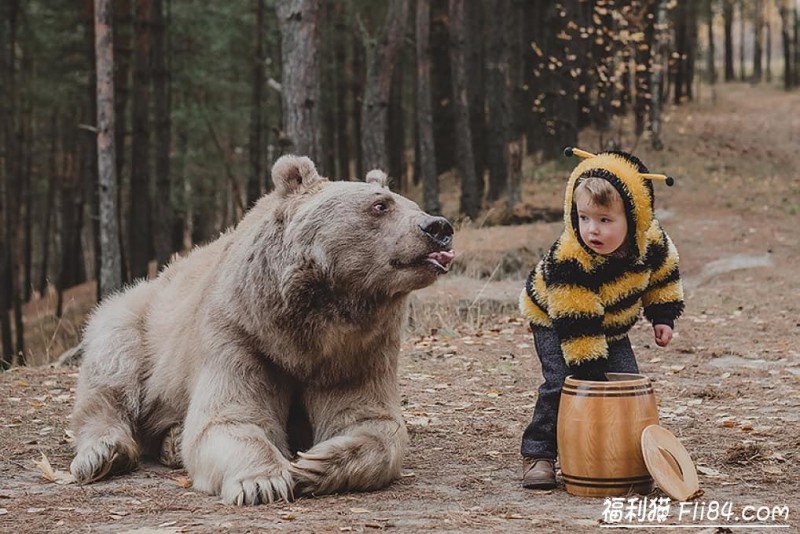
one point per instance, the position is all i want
(727, 385)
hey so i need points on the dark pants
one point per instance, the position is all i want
(539, 439)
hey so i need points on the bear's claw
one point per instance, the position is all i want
(259, 490)
(95, 462)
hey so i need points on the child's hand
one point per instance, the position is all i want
(663, 334)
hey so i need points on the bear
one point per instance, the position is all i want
(266, 362)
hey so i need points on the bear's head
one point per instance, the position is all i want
(357, 239)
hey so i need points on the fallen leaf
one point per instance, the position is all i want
(183, 482)
(707, 471)
(53, 475)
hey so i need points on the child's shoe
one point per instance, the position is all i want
(538, 473)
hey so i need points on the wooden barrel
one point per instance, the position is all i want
(599, 435)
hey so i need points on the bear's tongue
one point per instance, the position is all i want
(442, 259)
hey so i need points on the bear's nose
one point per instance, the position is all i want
(439, 229)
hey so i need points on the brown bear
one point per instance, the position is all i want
(266, 361)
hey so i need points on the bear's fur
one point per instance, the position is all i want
(266, 361)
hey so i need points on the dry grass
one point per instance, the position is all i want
(46, 335)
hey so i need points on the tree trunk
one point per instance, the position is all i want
(51, 181)
(123, 51)
(727, 17)
(329, 84)
(796, 70)
(300, 93)
(536, 72)
(426, 154)
(395, 124)
(711, 66)
(471, 187)
(382, 52)
(645, 18)
(6, 278)
(624, 89)
(742, 70)
(519, 104)
(256, 112)
(444, 130)
(27, 147)
(183, 189)
(358, 66)
(69, 235)
(139, 230)
(680, 47)
(691, 50)
(604, 73)
(660, 51)
(89, 172)
(110, 271)
(571, 53)
(475, 12)
(343, 50)
(768, 25)
(786, 43)
(497, 95)
(9, 288)
(163, 212)
(685, 43)
(758, 40)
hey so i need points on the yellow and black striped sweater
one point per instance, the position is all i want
(590, 299)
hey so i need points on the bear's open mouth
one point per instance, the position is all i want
(441, 259)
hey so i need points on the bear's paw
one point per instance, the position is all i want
(259, 488)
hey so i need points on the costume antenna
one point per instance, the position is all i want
(572, 151)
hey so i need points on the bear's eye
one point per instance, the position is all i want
(380, 207)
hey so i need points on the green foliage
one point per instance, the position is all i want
(211, 55)
(54, 32)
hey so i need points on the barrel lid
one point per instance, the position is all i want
(669, 464)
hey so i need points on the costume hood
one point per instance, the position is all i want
(631, 179)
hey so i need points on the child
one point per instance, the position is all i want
(583, 297)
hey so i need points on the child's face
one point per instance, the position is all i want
(603, 228)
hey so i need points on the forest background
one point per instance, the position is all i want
(450, 97)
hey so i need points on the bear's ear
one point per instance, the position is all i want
(376, 176)
(292, 173)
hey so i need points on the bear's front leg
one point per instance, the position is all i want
(234, 442)
(360, 441)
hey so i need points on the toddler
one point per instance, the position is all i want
(611, 261)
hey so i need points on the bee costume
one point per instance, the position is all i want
(581, 305)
